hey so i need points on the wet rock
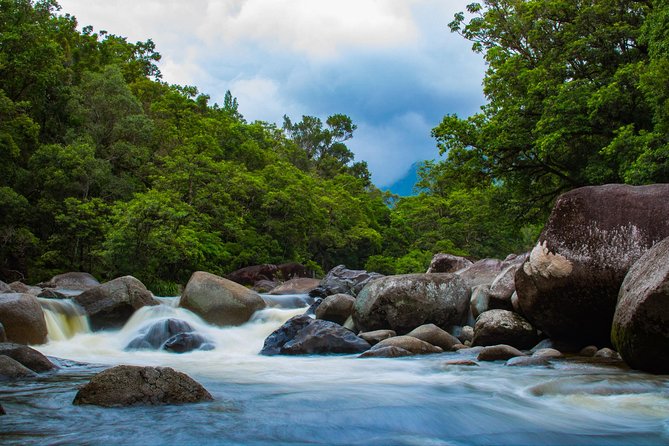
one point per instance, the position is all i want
(341, 280)
(2, 411)
(336, 308)
(11, 369)
(111, 304)
(389, 351)
(569, 287)
(3, 335)
(414, 345)
(607, 353)
(547, 353)
(588, 351)
(482, 272)
(172, 335)
(480, 300)
(466, 334)
(48, 293)
(324, 337)
(28, 357)
(264, 286)
(467, 350)
(4, 288)
(23, 318)
(503, 287)
(640, 328)
(126, 385)
(499, 352)
(187, 342)
(376, 336)
(404, 302)
(504, 327)
(302, 285)
(311, 311)
(527, 361)
(72, 281)
(434, 335)
(220, 301)
(460, 362)
(22, 288)
(275, 341)
(447, 263)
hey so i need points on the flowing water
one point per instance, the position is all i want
(329, 400)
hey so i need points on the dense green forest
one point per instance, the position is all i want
(105, 168)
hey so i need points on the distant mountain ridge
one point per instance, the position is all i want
(404, 186)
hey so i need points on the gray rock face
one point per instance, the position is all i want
(434, 335)
(300, 285)
(504, 327)
(29, 357)
(126, 385)
(72, 281)
(324, 337)
(447, 263)
(640, 329)
(569, 287)
(481, 272)
(336, 308)
(340, 280)
(23, 318)
(409, 343)
(172, 335)
(402, 303)
(220, 301)
(111, 304)
(11, 369)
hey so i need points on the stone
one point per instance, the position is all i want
(11, 369)
(504, 327)
(480, 300)
(49, 293)
(22, 318)
(608, 354)
(447, 263)
(527, 361)
(279, 337)
(126, 385)
(569, 286)
(499, 352)
(481, 272)
(5, 288)
(549, 353)
(336, 308)
(466, 334)
(300, 285)
(324, 337)
(640, 330)
(311, 311)
(187, 342)
(434, 335)
(264, 286)
(220, 301)
(111, 304)
(588, 351)
(414, 345)
(22, 288)
(460, 362)
(3, 334)
(376, 336)
(347, 281)
(562, 346)
(170, 334)
(389, 351)
(404, 302)
(502, 288)
(77, 281)
(250, 275)
(28, 357)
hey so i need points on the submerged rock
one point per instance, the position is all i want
(414, 345)
(389, 351)
(29, 357)
(336, 308)
(23, 318)
(172, 335)
(187, 342)
(126, 385)
(528, 361)
(504, 327)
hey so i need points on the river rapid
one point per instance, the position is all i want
(328, 400)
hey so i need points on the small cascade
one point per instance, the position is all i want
(287, 301)
(64, 318)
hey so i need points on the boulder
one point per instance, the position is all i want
(504, 327)
(2, 411)
(279, 337)
(300, 285)
(220, 301)
(22, 288)
(111, 304)
(640, 330)
(11, 369)
(480, 300)
(28, 357)
(414, 345)
(126, 385)
(187, 342)
(466, 334)
(264, 286)
(5, 288)
(527, 361)
(77, 281)
(447, 263)
(250, 275)
(549, 353)
(23, 318)
(503, 287)
(569, 286)
(336, 308)
(404, 302)
(588, 351)
(376, 336)
(170, 334)
(347, 281)
(481, 272)
(460, 362)
(311, 311)
(3, 334)
(499, 352)
(608, 353)
(389, 351)
(324, 337)
(434, 335)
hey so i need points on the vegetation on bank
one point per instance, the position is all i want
(105, 168)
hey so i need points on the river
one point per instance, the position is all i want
(330, 400)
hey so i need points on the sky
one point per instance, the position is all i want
(393, 66)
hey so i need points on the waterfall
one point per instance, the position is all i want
(64, 318)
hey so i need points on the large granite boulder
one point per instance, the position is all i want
(23, 318)
(76, 281)
(434, 335)
(127, 385)
(250, 275)
(336, 308)
(11, 369)
(569, 286)
(275, 341)
(111, 304)
(495, 327)
(640, 330)
(414, 345)
(404, 302)
(340, 280)
(481, 272)
(29, 357)
(220, 301)
(300, 285)
(447, 263)
(172, 335)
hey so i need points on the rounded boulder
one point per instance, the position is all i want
(495, 327)
(23, 318)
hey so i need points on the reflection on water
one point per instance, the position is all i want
(334, 400)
